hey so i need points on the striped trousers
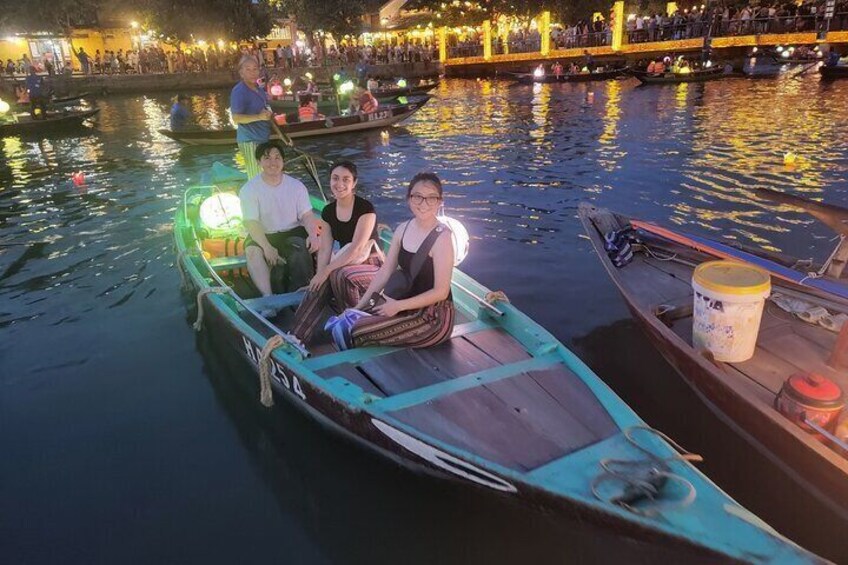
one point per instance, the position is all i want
(248, 152)
(419, 328)
(346, 285)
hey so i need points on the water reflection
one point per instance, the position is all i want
(93, 283)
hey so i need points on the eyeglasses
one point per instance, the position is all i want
(430, 200)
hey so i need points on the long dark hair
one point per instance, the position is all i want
(345, 165)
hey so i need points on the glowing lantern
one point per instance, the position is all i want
(401, 83)
(308, 75)
(276, 90)
(785, 54)
(459, 236)
(221, 211)
(754, 50)
(4, 107)
(346, 87)
(539, 72)
(337, 77)
(78, 178)
(287, 81)
(36, 112)
(779, 49)
(790, 158)
(708, 64)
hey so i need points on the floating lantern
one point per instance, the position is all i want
(590, 97)
(221, 211)
(539, 73)
(790, 158)
(4, 107)
(459, 237)
(78, 178)
(401, 83)
(276, 90)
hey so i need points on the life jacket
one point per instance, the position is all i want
(652, 67)
(306, 113)
(367, 103)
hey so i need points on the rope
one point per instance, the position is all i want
(496, 296)
(198, 324)
(646, 478)
(266, 396)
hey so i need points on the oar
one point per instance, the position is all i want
(805, 69)
(835, 217)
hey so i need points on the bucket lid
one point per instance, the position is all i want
(812, 388)
(730, 277)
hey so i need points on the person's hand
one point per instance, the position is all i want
(266, 114)
(388, 308)
(313, 243)
(272, 256)
(318, 279)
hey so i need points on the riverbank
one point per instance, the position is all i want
(139, 84)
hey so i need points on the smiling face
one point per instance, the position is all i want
(249, 72)
(272, 162)
(342, 182)
(424, 199)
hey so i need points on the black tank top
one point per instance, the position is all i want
(426, 278)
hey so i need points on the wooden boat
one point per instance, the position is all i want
(383, 117)
(327, 103)
(326, 106)
(834, 72)
(795, 61)
(657, 287)
(502, 406)
(61, 102)
(52, 121)
(529, 78)
(700, 75)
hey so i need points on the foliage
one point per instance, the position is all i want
(205, 19)
(340, 17)
(55, 16)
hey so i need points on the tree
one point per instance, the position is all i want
(54, 16)
(339, 17)
(205, 19)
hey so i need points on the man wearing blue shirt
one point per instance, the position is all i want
(249, 108)
(180, 113)
(37, 95)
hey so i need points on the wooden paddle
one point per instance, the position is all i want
(805, 69)
(309, 159)
(835, 217)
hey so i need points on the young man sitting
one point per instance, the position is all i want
(279, 220)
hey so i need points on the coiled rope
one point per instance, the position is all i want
(496, 296)
(198, 324)
(645, 479)
(266, 396)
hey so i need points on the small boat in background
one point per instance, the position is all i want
(698, 75)
(793, 353)
(60, 102)
(588, 76)
(834, 71)
(25, 124)
(502, 406)
(382, 117)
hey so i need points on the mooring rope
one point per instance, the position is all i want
(266, 396)
(198, 324)
(496, 296)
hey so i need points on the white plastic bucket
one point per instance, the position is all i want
(728, 306)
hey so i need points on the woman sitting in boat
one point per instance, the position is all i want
(278, 217)
(308, 110)
(424, 315)
(367, 102)
(372, 84)
(557, 69)
(351, 221)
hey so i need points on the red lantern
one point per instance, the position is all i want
(78, 178)
(276, 90)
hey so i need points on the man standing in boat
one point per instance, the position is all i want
(278, 217)
(251, 114)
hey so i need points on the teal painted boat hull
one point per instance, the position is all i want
(398, 424)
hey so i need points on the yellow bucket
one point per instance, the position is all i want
(728, 307)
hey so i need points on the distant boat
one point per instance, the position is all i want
(834, 72)
(60, 102)
(387, 95)
(382, 117)
(529, 78)
(52, 121)
(502, 407)
(698, 75)
(656, 285)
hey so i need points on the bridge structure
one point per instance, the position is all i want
(618, 44)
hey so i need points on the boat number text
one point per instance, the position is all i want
(279, 374)
(384, 115)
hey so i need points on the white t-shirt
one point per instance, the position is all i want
(277, 208)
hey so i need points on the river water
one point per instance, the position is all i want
(125, 436)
